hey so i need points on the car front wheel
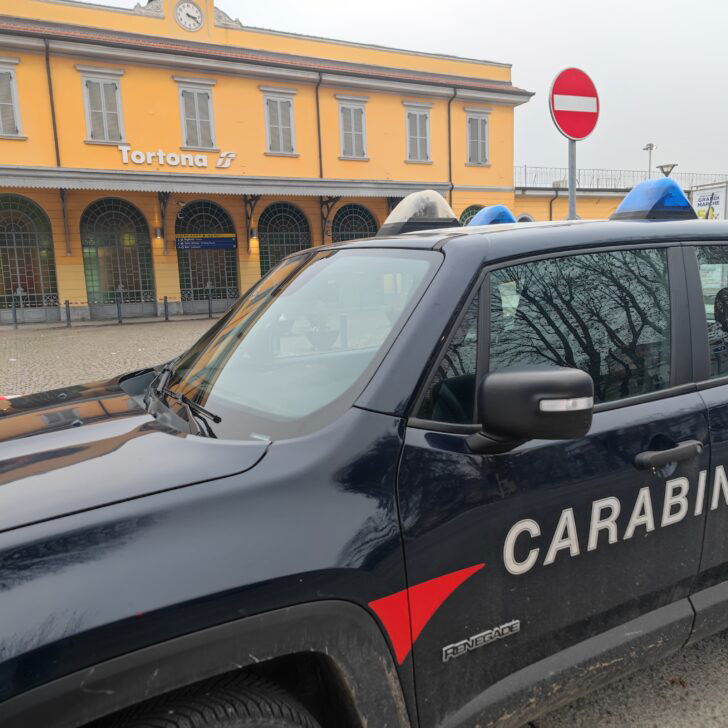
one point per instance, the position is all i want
(232, 701)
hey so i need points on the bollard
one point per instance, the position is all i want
(15, 314)
(68, 313)
(166, 309)
(209, 303)
(118, 309)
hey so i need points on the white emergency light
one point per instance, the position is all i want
(424, 210)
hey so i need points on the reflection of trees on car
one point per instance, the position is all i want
(713, 262)
(605, 313)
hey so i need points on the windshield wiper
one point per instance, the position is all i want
(158, 384)
(197, 411)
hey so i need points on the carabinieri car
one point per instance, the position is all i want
(449, 478)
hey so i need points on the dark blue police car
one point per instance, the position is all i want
(450, 478)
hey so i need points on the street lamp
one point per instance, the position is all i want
(666, 169)
(649, 148)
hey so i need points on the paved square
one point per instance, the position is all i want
(32, 360)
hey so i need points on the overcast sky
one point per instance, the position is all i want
(660, 67)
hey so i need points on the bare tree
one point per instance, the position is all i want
(605, 313)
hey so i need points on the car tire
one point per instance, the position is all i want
(232, 701)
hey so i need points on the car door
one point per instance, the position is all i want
(513, 558)
(707, 275)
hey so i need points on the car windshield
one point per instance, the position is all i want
(298, 348)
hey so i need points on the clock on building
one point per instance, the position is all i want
(188, 15)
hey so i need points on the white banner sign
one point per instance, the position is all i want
(710, 204)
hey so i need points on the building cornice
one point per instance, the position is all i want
(419, 89)
(153, 8)
(179, 182)
(484, 188)
(171, 61)
(580, 191)
(99, 71)
(21, 42)
(97, 42)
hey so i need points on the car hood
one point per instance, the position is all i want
(83, 447)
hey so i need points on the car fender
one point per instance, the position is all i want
(346, 633)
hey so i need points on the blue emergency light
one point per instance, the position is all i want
(493, 215)
(655, 199)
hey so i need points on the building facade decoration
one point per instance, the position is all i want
(223, 20)
(153, 8)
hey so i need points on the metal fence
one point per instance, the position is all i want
(66, 312)
(548, 177)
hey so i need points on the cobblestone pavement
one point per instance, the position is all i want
(686, 690)
(35, 359)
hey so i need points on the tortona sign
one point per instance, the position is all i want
(174, 159)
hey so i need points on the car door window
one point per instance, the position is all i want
(713, 266)
(605, 313)
(450, 396)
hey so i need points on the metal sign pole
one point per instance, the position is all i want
(572, 180)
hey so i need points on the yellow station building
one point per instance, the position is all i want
(167, 150)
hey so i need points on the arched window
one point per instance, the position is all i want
(117, 259)
(352, 222)
(27, 264)
(282, 229)
(525, 217)
(206, 271)
(469, 213)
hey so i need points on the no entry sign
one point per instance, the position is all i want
(574, 104)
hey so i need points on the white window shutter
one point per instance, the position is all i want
(205, 123)
(273, 125)
(190, 118)
(8, 122)
(347, 134)
(424, 132)
(483, 140)
(95, 111)
(472, 140)
(280, 125)
(412, 135)
(111, 107)
(286, 125)
(358, 131)
(477, 139)
(287, 139)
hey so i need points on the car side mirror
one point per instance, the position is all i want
(532, 403)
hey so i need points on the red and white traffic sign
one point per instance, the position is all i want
(574, 104)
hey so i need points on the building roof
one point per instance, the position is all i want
(218, 184)
(65, 32)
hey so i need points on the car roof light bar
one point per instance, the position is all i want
(655, 199)
(493, 215)
(423, 210)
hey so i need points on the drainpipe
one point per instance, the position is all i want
(318, 127)
(52, 101)
(449, 143)
(320, 156)
(54, 123)
(551, 203)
